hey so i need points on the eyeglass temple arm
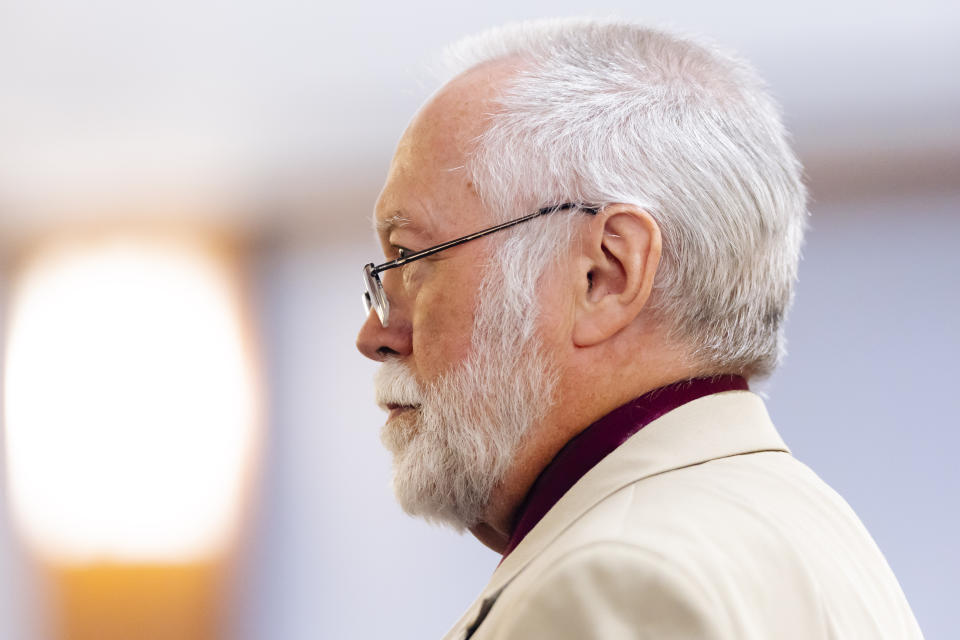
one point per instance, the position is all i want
(399, 262)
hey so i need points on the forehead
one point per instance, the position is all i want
(428, 187)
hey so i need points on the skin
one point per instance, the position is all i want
(595, 319)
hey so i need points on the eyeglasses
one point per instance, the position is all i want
(374, 296)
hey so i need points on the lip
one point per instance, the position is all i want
(396, 409)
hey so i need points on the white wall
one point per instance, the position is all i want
(868, 395)
(118, 98)
(16, 586)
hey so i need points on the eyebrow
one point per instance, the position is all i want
(389, 224)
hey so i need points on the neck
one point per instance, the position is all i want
(490, 537)
(581, 401)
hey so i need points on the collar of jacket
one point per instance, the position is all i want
(715, 426)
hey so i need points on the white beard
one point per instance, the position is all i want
(456, 443)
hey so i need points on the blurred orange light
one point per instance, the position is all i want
(131, 399)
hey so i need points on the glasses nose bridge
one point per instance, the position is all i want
(374, 295)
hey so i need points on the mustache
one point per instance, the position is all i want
(395, 385)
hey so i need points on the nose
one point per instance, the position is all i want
(378, 342)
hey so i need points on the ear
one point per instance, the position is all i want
(617, 264)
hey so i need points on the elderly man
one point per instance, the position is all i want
(591, 236)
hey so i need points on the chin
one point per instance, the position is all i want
(399, 430)
(438, 476)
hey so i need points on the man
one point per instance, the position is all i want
(592, 234)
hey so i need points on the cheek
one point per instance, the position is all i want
(443, 324)
(558, 313)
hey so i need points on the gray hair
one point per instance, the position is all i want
(603, 112)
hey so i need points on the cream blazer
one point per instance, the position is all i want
(702, 525)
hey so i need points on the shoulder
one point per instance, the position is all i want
(609, 589)
(751, 546)
(642, 558)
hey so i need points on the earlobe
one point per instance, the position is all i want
(619, 260)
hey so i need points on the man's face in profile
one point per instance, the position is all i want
(460, 380)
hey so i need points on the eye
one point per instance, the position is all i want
(402, 252)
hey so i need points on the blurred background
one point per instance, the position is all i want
(190, 448)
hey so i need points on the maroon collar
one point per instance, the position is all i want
(593, 444)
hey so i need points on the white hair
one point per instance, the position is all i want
(602, 112)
